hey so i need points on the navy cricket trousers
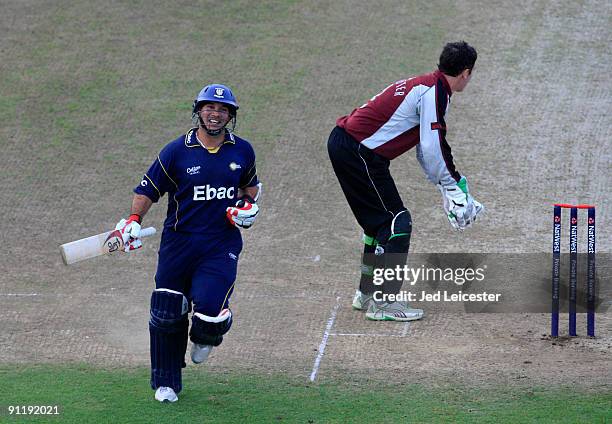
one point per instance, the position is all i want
(201, 267)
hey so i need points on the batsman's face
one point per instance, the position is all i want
(215, 115)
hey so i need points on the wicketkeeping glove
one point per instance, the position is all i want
(244, 213)
(130, 231)
(461, 208)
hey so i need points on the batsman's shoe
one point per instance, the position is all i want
(361, 301)
(396, 311)
(200, 352)
(165, 394)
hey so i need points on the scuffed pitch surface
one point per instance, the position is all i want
(531, 129)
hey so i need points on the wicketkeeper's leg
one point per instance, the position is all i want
(393, 245)
(368, 261)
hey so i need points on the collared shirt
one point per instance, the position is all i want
(408, 113)
(200, 183)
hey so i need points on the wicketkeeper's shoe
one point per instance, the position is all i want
(361, 301)
(200, 352)
(165, 394)
(396, 311)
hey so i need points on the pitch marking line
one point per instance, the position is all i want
(405, 329)
(404, 333)
(323, 344)
(366, 335)
(51, 295)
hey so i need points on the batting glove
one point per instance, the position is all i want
(244, 213)
(130, 232)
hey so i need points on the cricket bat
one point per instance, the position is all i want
(98, 245)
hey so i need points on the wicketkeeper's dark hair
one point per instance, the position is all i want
(456, 57)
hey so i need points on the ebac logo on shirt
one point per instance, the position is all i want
(209, 193)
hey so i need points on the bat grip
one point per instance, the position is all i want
(146, 232)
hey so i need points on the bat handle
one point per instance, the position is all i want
(147, 232)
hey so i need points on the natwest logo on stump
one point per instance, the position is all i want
(209, 193)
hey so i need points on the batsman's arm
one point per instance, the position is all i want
(253, 192)
(141, 205)
(249, 184)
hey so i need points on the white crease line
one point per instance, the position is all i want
(330, 324)
(51, 294)
(238, 297)
(405, 329)
(279, 296)
(365, 335)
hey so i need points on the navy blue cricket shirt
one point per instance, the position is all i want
(200, 184)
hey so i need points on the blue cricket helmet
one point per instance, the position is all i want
(218, 93)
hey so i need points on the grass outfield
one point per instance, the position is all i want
(90, 395)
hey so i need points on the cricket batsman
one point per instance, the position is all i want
(211, 180)
(408, 113)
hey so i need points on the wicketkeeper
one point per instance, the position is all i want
(408, 113)
(210, 176)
